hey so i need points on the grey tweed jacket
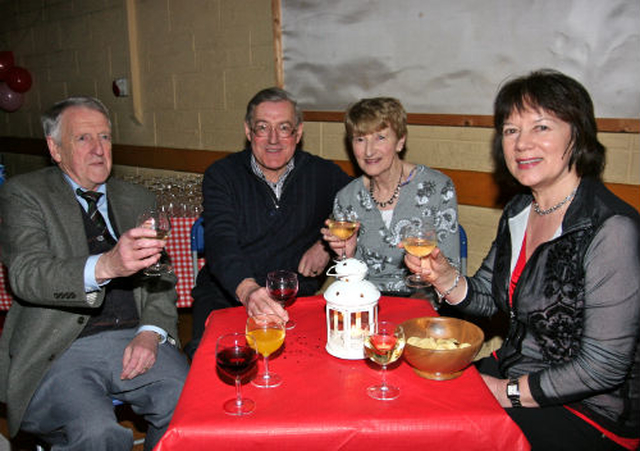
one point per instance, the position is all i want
(43, 243)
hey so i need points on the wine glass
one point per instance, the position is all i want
(159, 221)
(384, 345)
(343, 225)
(283, 288)
(236, 356)
(419, 240)
(268, 331)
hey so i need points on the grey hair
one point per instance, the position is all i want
(52, 118)
(272, 95)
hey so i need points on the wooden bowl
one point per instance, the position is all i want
(441, 364)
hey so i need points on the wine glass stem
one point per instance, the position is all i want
(384, 377)
(238, 392)
(344, 251)
(266, 367)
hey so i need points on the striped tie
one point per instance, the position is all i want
(92, 199)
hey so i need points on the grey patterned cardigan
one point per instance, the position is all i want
(428, 195)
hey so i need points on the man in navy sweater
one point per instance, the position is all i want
(263, 210)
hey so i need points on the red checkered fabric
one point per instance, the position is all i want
(179, 249)
(5, 297)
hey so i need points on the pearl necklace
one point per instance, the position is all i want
(538, 210)
(393, 197)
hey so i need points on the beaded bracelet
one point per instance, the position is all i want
(441, 296)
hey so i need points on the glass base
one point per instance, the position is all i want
(270, 380)
(158, 270)
(415, 281)
(291, 324)
(383, 392)
(244, 407)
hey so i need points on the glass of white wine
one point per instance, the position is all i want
(384, 345)
(268, 331)
(343, 225)
(159, 221)
(418, 240)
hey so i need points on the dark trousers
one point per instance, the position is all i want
(554, 427)
(72, 408)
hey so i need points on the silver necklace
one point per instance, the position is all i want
(538, 210)
(395, 193)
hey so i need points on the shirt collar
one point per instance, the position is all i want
(101, 189)
(277, 186)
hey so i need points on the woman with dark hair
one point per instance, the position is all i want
(564, 266)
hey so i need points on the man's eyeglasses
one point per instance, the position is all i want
(263, 130)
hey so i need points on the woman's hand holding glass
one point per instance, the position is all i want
(342, 234)
(434, 269)
(419, 240)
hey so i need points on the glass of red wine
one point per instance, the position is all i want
(283, 288)
(236, 356)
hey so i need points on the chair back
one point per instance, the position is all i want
(197, 245)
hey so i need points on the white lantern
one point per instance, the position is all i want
(352, 308)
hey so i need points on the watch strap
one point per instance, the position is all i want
(513, 392)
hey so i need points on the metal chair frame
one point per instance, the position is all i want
(197, 245)
(463, 249)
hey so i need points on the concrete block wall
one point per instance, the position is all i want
(200, 61)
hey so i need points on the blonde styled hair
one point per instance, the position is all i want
(372, 115)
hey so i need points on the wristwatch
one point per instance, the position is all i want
(513, 392)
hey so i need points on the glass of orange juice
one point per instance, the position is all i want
(268, 331)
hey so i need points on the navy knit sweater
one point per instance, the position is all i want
(248, 232)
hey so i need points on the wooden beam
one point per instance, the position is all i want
(609, 125)
(473, 187)
(134, 57)
(276, 12)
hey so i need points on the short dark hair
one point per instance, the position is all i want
(51, 119)
(372, 115)
(565, 98)
(272, 95)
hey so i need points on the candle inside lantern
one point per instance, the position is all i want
(352, 304)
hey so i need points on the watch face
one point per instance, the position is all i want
(513, 389)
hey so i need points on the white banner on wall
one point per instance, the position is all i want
(450, 56)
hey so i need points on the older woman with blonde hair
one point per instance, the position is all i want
(390, 195)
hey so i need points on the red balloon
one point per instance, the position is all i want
(6, 63)
(19, 79)
(10, 100)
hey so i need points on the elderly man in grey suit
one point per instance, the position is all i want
(86, 326)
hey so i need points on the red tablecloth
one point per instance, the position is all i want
(322, 403)
(178, 247)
